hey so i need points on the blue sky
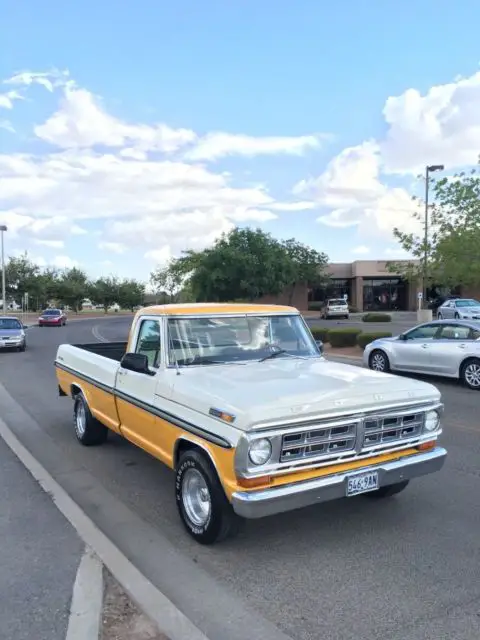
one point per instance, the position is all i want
(327, 109)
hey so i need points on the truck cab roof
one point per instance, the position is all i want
(210, 308)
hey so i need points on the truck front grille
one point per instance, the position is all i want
(326, 440)
(388, 429)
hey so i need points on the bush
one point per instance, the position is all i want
(315, 306)
(376, 317)
(366, 338)
(343, 337)
(320, 333)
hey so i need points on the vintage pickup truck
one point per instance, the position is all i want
(240, 402)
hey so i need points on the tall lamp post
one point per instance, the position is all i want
(3, 228)
(428, 170)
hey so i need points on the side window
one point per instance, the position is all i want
(425, 331)
(148, 342)
(475, 334)
(453, 332)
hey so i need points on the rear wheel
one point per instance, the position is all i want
(378, 361)
(439, 316)
(202, 504)
(89, 430)
(389, 490)
(470, 374)
(457, 317)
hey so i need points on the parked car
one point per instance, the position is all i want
(52, 318)
(449, 348)
(459, 308)
(12, 334)
(249, 414)
(335, 308)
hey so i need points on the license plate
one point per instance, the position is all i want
(361, 483)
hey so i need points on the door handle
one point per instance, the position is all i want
(462, 346)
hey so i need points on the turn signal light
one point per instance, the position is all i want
(251, 483)
(425, 446)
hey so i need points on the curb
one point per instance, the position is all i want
(169, 620)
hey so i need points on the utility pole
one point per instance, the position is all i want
(428, 171)
(3, 228)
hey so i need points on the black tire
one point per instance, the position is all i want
(221, 522)
(457, 317)
(376, 357)
(439, 316)
(467, 373)
(93, 432)
(22, 348)
(388, 491)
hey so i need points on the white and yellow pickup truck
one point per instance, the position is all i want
(239, 401)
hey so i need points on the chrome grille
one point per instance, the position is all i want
(324, 440)
(387, 429)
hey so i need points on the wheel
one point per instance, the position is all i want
(203, 507)
(346, 317)
(389, 490)
(89, 430)
(23, 347)
(470, 374)
(439, 316)
(378, 361)
(457, 317)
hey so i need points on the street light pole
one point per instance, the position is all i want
(3, 228)
(428, 171)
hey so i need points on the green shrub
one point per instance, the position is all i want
(320, 333)
(376, 317)
(315, 306)
(366, 338)
(346, 337)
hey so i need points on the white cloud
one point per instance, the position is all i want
(160, 257)
(361, 250)
(64, 262)
(7, 126)
(114, 247)
(48, 79)
(218, 144)
(41, 230)
(53, 244)
(7, 99)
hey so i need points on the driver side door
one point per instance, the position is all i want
(413, 353)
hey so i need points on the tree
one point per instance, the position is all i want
(104, 291)
(130, 294)
(246, 264)
(452, 244)
(168, 279)
(72, 287)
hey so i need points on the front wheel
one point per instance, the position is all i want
(203, 507)
(470, 374)
(439, 316)
(89, 430)
(389, 490)
(378, 361)
(457, 317)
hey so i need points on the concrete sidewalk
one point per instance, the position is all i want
(39, 555)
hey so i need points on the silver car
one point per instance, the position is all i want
(459, 308)
(335, 308)
(449, 348)
(12, 334)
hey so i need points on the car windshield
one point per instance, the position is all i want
(336, 302)
(9, 324)
(225, 339)
(52, 312)
(467, 303)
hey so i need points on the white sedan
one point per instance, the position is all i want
(449, 348)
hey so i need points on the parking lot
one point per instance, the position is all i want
(407, 568)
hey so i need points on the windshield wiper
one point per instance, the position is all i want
(274, 354)
(201, 361)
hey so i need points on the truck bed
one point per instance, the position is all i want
(111, 350)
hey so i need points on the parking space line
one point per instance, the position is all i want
(86, 607)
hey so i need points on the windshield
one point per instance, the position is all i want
(467, 303)
(52, 312)
(223, 339)
(336, 302)
(8, 324)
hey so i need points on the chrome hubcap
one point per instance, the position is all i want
(80, 419)
(196, 497)
(378, 362)
(472, 375)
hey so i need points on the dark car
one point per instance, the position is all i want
(52, 318)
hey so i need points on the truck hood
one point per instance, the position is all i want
(288, 389)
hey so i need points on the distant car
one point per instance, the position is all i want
(12, 334)
(52, 318)
(335, 308)
(459, 308)
(449, 348)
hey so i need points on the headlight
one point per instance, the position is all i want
(260, 451)
(432, 421)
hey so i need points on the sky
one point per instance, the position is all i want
(130, 132)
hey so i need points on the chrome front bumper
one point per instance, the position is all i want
(267, 502)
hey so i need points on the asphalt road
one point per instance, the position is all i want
(39, 556)
(402, 569)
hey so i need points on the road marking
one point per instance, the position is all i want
(86, 607)
(97, 335)
(169, 619)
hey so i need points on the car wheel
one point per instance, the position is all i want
(22, 348)
(203, 507)
(378, 361)
(439, 316)
(89, 430)
(389, 490)
(457, 317)
(470, 374)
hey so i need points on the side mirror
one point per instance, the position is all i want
(403, 336)
(319, 344)
(137, 362)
